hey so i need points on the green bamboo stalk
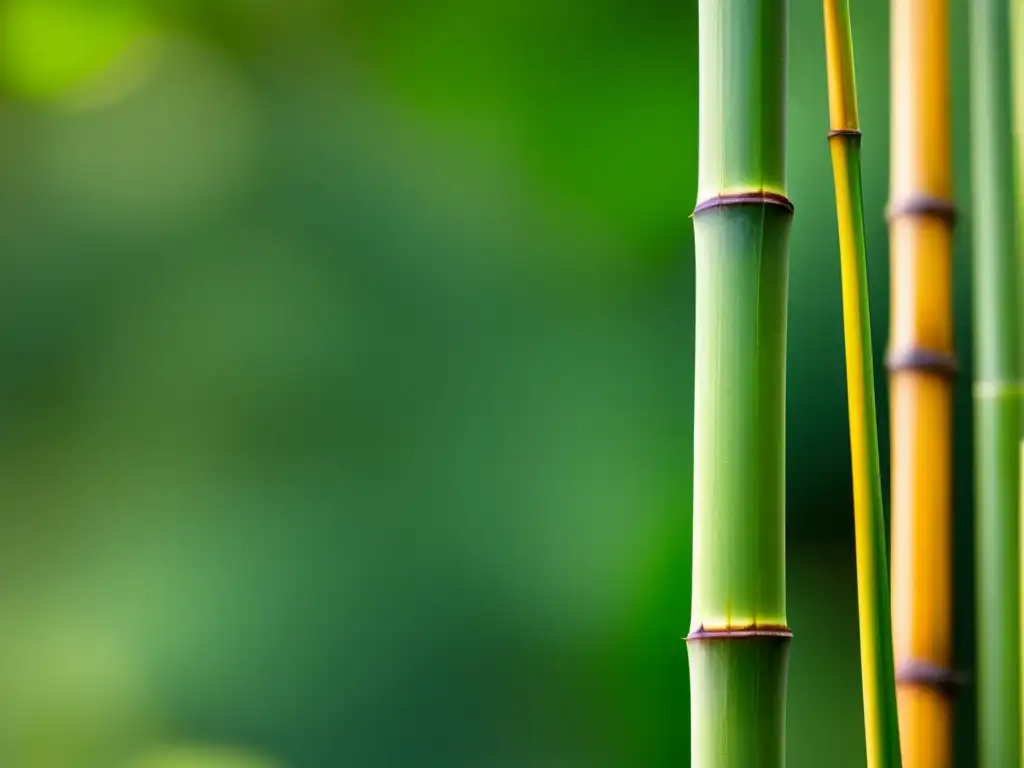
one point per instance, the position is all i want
(996, 390)
(881, 724)
(738, 642)
(1017, 97)
(1017, 77)
(1017, 84)
(1020, 547)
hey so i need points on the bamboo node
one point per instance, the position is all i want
(921, 360)
(753, 197)
(851, 132)
(924, 206)
(739, 633)
(998, 389)
(925, 674)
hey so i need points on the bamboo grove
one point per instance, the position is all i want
(739, 640)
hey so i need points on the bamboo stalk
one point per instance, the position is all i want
(1017, 97)
(881, 726)
(739, 639)
(997, 409)
(1017, 54)
(921, 365)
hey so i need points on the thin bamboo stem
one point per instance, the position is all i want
(921, 366)
(997, 401)
(738, 641)
(1017, 96)
(1017, 55)
(881, 725)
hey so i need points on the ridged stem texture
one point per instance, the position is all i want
(881, 725)
(921, 371)
(997, 389)
(739, 639)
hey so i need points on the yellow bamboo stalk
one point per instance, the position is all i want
(876, 648)
(921, 365)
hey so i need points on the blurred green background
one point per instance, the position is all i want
(347, 383)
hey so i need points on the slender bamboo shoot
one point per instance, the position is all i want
(876, 651)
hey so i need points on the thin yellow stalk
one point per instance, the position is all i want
(880, 719)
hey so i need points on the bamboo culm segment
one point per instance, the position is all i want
(739, 419)
(1017, 78)
(877, 667)
(739, 680)
(737, 645)
(922, 360)
(1020, 547)
(997, 403)
(738, 640)
(997, 438)
(881, 722)
(1017, 56)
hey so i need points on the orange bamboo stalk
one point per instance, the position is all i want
(921, 365)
